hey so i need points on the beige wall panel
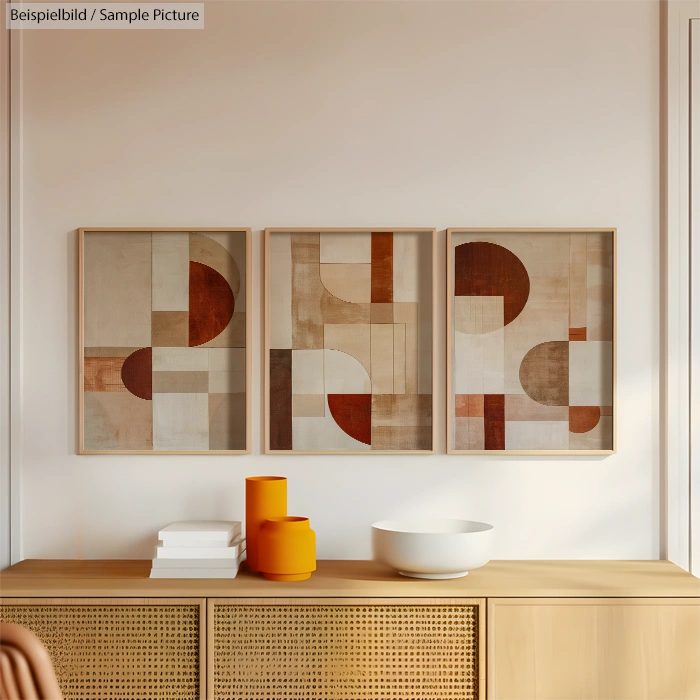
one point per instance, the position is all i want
(318, 434)
(577, 280)
(382, 351)
(346, 247)
(343, 374)
(413, 260)
(585, 650)
(181, 382)
(599, 309)
(227, 382)
(352, 282)
(233, 336)
(226, 359)
(180, 421)
(280, 289)
(171, 271)
(600, 438)
(117, 289)
(591, 373)
(180, 360)
(399, 358)
(205, 250)
(522, 407)
(117, 421)
(353, 339)
(308, 405)
(307, 371)
(478, 364)
(234, 242)
(537, 435)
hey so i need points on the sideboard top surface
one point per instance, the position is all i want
(56, 578)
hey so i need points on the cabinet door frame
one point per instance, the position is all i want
(493, 603)
(480, 603)
(133, 602)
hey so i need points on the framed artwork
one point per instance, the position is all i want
(349, 340)
(164, 341)
(531, 351)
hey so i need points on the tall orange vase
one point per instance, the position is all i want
(265, 498)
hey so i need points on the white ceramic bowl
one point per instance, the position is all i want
(432, 548)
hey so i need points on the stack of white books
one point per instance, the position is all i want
(199, 549)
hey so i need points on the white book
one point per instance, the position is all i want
(222, 563)
(202, 572)
(194, 573)
(195, 552)
(193, 533)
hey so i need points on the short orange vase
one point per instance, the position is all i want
(265, 497)
(287, 549)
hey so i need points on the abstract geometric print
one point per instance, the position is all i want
(532, 354)
(349, 340)
(163, 328)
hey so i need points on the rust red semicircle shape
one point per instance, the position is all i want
(490, 270)
(137, 373)
(211, 304)
(353, 414)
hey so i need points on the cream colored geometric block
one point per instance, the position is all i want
(343, 374)
(478, 314)
(351, 282)
(307, 371)
(180, 421)
(345, 247)
(180, 359)
(537, 435)
(591, 373)
(171, 271)
(382, 354)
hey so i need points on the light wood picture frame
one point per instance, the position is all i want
(349, 364)
(531, 341)
(164, 340)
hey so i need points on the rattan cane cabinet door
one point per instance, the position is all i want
(119, 649)
(345, 649)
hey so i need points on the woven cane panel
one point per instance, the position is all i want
(127, 652)
(348, 652)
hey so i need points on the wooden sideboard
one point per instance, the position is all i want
(356, 630)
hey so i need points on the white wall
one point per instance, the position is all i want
(345, 114)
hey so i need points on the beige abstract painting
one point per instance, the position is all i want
(532, 331)
(349, 356)
(163, 326)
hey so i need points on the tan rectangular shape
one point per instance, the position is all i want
(170, 329)
(402, 410)
(381, 313)
(108, 352)
(577, 282)
(335, 649)
(401, 437)
(117, 289)
(226, 382)
(120, 648)
(280, 291)
(237, 242)
(181, 382)
(399, 358)
(590, 649)
(522, 407)
(171, 271)
(104, 374)
(180, 360)
(543, 319)
(382, 358)
(308, 405)
(226, 359)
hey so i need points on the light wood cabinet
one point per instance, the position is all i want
(581, 648)
(358, 631)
